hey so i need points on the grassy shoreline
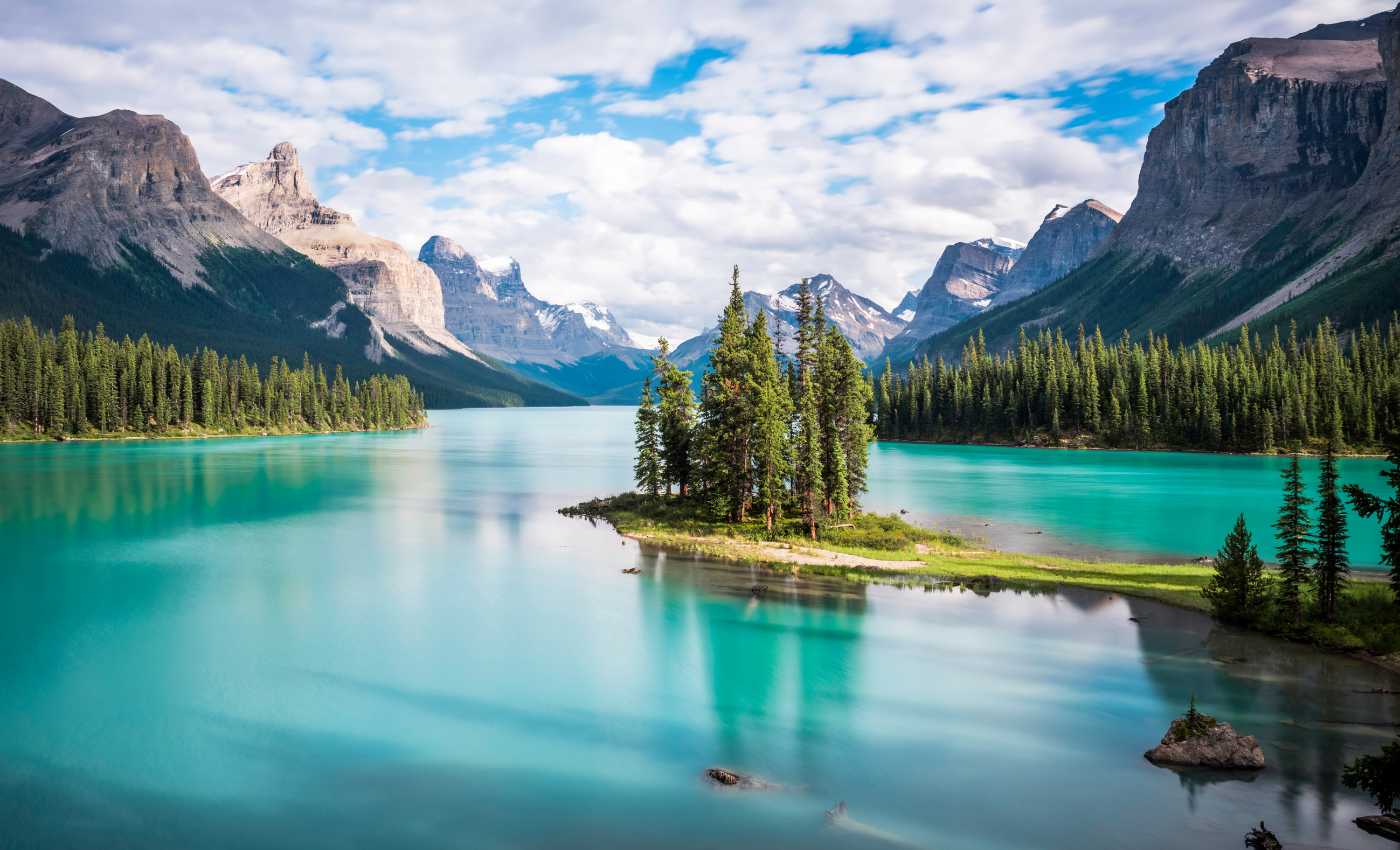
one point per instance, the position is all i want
(192, 433)
(887, 549)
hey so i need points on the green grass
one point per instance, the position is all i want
(1368, 618)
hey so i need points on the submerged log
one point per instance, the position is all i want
(1386, 826)
(727, 778)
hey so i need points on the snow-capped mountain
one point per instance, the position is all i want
(907, 306)
(488, 307)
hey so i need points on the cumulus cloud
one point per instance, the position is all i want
(805, 159)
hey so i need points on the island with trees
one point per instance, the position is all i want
(769, 467)
(72, 385)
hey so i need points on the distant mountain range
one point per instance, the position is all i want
(1269, 193)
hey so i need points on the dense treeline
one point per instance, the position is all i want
(71, 383)
(762, 439)
(1248, 395)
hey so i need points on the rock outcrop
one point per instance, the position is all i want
(403, 296)
(1217, 746)
(1065, 240)
(488, 307)
(89, 185)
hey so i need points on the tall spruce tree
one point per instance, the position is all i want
(647, 469)
(1238, 591)
(675, 419)
(726, 420)
(1387, 511)
(809, 482)
(772, 445)
(1331, 563)
(1294, 534)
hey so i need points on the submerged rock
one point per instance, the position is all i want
(1206, 743)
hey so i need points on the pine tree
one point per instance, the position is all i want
(647, 469)
(772, 450)
(675, 419)
(1331, 562)
(1238, 591)
(1387, 511)
(1294, 535)
(809, 482)
(726, 418)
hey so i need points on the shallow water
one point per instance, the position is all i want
(394, 641)
(1109, 504)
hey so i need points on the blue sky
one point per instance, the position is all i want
(630, 153)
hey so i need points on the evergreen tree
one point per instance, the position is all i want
(675, 419)
(726, 419)
(647, 469)
(809, 481)
(1331, 562)
(1237, 592)
(1294, 535)
(771, 450)
(1387, 511)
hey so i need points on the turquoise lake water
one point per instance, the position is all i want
(393, 641)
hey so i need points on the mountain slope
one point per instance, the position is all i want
(1267, 193)
(110, 219)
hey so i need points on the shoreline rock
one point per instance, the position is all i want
(726, 778)
(1218, 746)
(1386, 826)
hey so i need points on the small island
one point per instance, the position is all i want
(1196, 739)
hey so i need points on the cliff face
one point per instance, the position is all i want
(87, 185)
(400, 294)
(1067, 238)
(1269, 130)
(488, 307)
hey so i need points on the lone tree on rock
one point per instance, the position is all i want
(1238, 591)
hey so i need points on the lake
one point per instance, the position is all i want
(393, 640)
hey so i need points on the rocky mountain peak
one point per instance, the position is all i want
(89, 185)
(443, 249)
(1067, 238)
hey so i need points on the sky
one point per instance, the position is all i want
(629, 153)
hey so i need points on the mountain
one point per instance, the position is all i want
(864, 323)
(963, 283)
(580, 347)
(401, 295)
(907, 306)
(1269, 192)
(1065, 239)
(489, 308)
(110, 219)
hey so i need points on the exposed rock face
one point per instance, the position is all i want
(1268, 129)
(966, 278)
(402, 295)
(88, 184)
(864, 323)
(488, 307)
(1065, 240)
(1219, 747)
